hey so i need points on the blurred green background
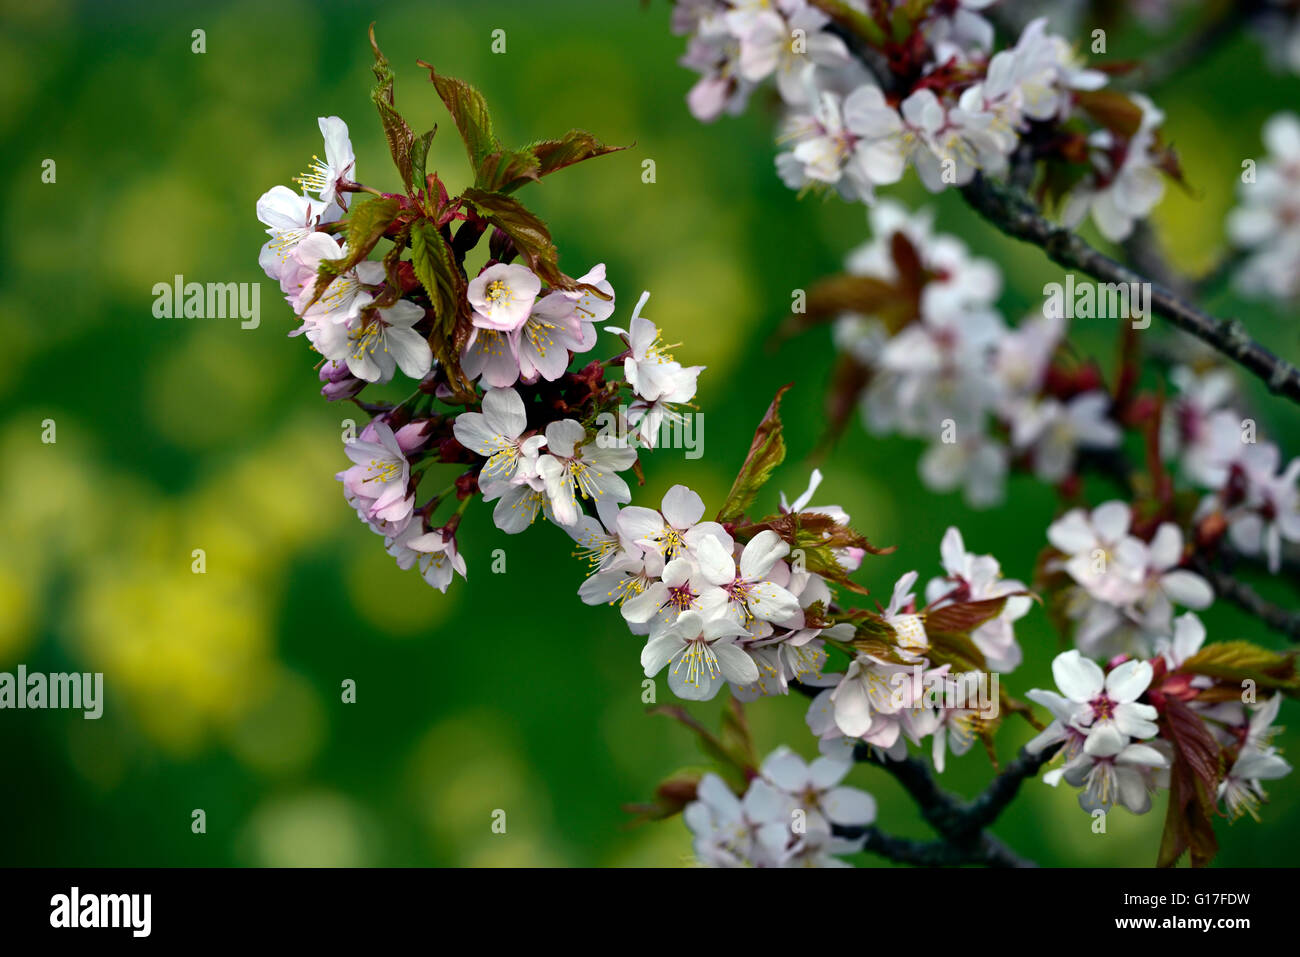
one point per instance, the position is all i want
(223, 689)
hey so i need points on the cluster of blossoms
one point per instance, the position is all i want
(1105, 724)
(1254, 499)
(786, 817)
(1267, 223)
(1122, 588)
(936, 97)
(493, 350)
(894, 691)
(756, 604)
(869, 88)
(940, 364)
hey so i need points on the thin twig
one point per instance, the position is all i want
(1248, 600)
(1011, 211)
(984, 810)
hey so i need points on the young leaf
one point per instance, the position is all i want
(829, 298)
(408, 152)
(766, 452)
(573, 147)
(506, 170)
(531, 237)
(964, 617)
(431, 260)
(442, 280)
(468, 111)
(1238, 661)
(1111, 109)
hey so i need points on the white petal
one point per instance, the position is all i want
(1079, 678)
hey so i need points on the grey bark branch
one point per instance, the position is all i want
(1012, 212)
(964, 839)
(1248, 600)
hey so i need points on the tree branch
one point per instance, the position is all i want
(962, 826)
(1248, 600)
(1011, 211)
(984, 810)
(990, 851)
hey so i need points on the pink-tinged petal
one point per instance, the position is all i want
(719, 627)
(772, 602)
(1111, 520)
(762, 802)
(1127, 681)
(658, 652)
(849, 806)
(643, 607)
(1079, 678)
(1136, 720)
(736, 666)
(1053, 733)
(787, 770)
(696, 536)
(1104, 742)
(852, 709)
(952, 550)
(1132, 790)
(826, 772)
(1062, 709)
(678, 572)
(563, 436)
(410, 351)
(1071, 533)
(715, 603)
(762, 552)
(682, 507)
(1166, 546)
(716, 564)
(503, 410)
(1187, 589)
(637, 523)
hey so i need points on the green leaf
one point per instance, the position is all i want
(1238, 661)
(437, 272)
(531, 237)
(766, 452)
(368, 220)
(420, 157)
(468, 111)
(402, 143)
(507, 170)
(573, 147)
